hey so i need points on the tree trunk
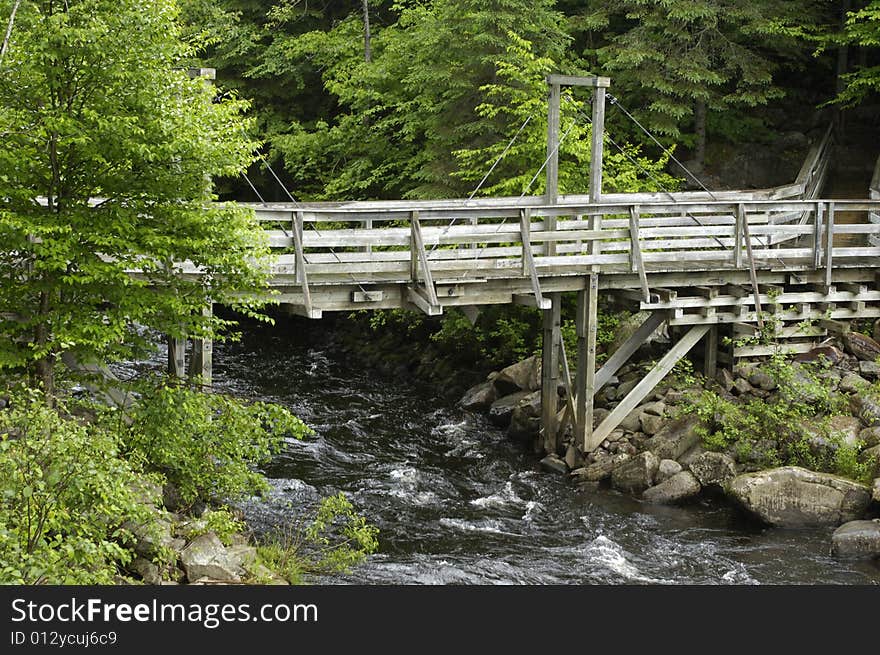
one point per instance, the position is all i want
(700, 131)
(44, 368)
(368, 56)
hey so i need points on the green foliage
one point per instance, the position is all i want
(94, 106)
(221, 522)
(862, 29)
(334, 540)
(791, 427)
(65, 488)
(207, 444)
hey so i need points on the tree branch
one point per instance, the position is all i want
(5, 46)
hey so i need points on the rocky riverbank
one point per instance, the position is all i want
(667, 450)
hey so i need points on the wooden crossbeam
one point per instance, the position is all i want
(525, 218)
(744, 220)
(418, 244)
(645, 386)
(637, 264)
(626, 350)
(301, 274)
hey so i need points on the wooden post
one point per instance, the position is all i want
(176, 357)
(598, 130)
(550, 372)
(829, 243)
(710, 354)
(202, 359)
(551, 192)
(586, 324)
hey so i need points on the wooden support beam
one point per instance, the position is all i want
(201, 365)
(471, 313)
(550, 372)
(817, 236)
(570, 411)
(626, 350)
(418, 244)
(635, 252)
(586, 325)
(176, 357)
(301, 274)
(366, 296)
(829, 243)
(414, 295)
(525, 218)
(744, 220)
(710, 352)
(551, 188)
(645, 386)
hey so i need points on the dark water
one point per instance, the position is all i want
(457, 504)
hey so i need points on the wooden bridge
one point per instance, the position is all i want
(782, 259)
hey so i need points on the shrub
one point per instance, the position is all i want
(64, 489)
(207, 444)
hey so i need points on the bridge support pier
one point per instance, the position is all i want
(176, 357)
(552, 337)
(586, 324)
(202, 356)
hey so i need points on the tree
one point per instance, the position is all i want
(862, 28)
(106, 170)
(688, 59)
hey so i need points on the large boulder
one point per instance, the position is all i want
(501, 410)
(847, 428)
(525, 419)
(875, 491)
(667, 468)
(206, 557)
(713, 469)
(479, 397)
(675, 439)
(791, 496)
(857, 539)
(597, 471)
(522, 376)
(636, 474)
(870, 437)
(861, 346)
(866, 409)
(871, 457)
(628, 326)
(554, 464)
(678, 488)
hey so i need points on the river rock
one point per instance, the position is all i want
(870, 437)
(146, 492)
(631, 422)
(857, 539)
(650, 423)
(713, 469)
(741, 387)
(678, 488)
(691, 456)
(525, 375)
(675, 439)
(861, 346)
(148, 571)
(206, 557)
(554, 464)
(869, 369)
(791, 496)
(595, 472)
(875, 491)
(846, 428)
(869, 456)
(762, 380)
(635, 474)
(667, 468)
(152, 536)
(525, 419)
(573, 457)
(865, 409)
(501, 410)
(852, 383)
(628, 326)
(625, 387)
(479, 397)
(821, 354)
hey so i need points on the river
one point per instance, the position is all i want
(456, 503)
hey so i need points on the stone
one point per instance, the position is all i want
(713, 469)
(636, 473)
(861, 346)
(675, 439)
(762, 380)
(573, 457)
(625, 387)
(852, 383)
(147, 492)
(615, 435)
(857, 539)
(171, 497)
(631, 422)
(595, 472)
(865, 409)
(150, 536)
(242, 556)
(525, 375)
(479, 397)
(870, 437)
(846, 428)
(791, 496)
(599, 415)
(691, 456)
(871, 456)
(554, 464)
(628, 326)
(148, 571)
(501, 410)
(523, 425)
(680, 487)
(875, 491)
(725, 379)
(667, 468)
(650, 423)
(655, 408)
(259, 573)
(869, 369)
(742, 387)
(206, 557)
(875, 332)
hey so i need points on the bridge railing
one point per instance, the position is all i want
(431, 246)
(874, 194)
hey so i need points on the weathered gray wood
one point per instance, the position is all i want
(576, 80)
(741, 214)
(817, 236)
(202, 359)
(551, 190)
(829, 242)
(644, 387)
(626, 350)
(414, 296)
(570, 411)
(366, 296)
(710, 352)
(586, 325)
(419, 246)
(550, 372)
(597, 140)
(301, 273)
(528, 262)
(176, 357)
(636, 251)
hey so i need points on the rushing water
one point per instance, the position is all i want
(456, 503)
